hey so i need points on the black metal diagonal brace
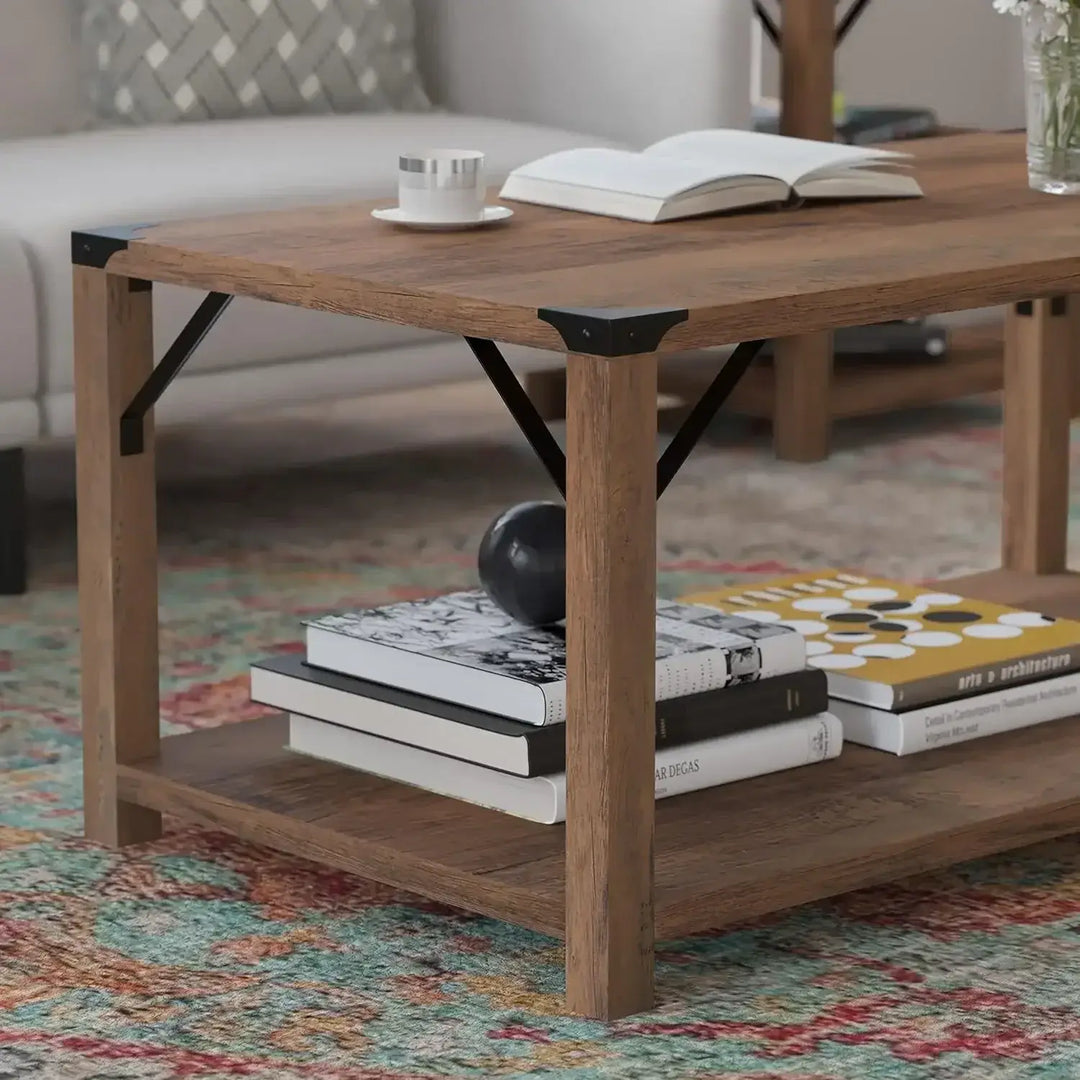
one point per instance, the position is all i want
(521, 409)
(188, 340)
(549, 452)
(772, 31)
(847, 23)
(701, 415)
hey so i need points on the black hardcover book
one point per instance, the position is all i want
(901, 339)
(289, 684)
(864, 125)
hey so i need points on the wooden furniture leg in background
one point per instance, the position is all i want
(1074, 350)
(547, 391)
(802, 410)
(13, 523)
(118, 597)
(801, 414)
(611, 640)
(1038, 408)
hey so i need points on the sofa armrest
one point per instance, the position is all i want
(630, 70)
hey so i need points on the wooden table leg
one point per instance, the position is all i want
(118, 597)
(802, 416)
(802, 412)
(547, 390)
(1074, 350)
(1038, 408)
(611, 628)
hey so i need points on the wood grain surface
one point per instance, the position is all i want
(118, 584)
(802, 406)
(1038, 412)
(722, 854)
(981, 236)
(611, 706)
(808, 69)
(801, 409)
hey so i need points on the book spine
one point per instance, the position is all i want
(554, 703)
(698, 717)
(961, 721)
(782, 654)
(751, 753)
(741, 708)
(739, 757)
(985, 678)
(692, 673)
(713, 669)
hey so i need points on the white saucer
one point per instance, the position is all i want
(492, 214)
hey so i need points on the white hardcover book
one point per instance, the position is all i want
(542, 799)
(463, 648)
(705, 172)
(959, 721)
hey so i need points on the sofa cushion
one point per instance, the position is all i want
(18, 322)
(129, 175)
(158, 61)
(39, 84)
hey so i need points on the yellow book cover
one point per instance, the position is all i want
(896, 646)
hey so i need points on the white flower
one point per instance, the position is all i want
(1057, 14)
(1033, 7)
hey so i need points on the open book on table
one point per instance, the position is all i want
(705, 172)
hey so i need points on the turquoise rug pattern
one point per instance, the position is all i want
(200, 956)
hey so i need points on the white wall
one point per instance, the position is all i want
(957, 56)
(635, 70)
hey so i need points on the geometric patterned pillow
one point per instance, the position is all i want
(160, 61)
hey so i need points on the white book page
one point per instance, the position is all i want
(732, 152)
(654, 176)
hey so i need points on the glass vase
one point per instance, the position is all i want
(1052, 71)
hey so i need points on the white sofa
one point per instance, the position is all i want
(516, 78)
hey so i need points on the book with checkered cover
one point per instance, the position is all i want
(896, 646)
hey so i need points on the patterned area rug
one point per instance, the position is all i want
(203, 957)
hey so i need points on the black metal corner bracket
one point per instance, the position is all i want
(95, 247)
(188, 340)
(551, 454)
(613, 331)
(847, 23)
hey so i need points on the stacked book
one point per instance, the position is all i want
(452, 695)
(861, 125)
(912, 668)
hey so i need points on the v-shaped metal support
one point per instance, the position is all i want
(775, 32)
(646, 326)
(549, 452)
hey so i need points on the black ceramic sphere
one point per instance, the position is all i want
(523, 562)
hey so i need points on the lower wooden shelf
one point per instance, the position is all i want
(721, 855)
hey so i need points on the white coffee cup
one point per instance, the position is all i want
(442, 185)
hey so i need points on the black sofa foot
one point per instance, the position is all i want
(13, 538)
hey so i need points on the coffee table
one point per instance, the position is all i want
(613, 295)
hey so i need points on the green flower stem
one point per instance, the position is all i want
(1058, 61)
